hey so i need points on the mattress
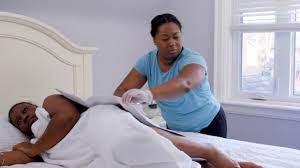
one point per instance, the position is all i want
(267, 156)
(33, 165)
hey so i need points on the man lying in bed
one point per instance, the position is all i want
(55, 138)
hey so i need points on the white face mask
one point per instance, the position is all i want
(40, 125)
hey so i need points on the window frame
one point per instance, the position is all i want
(225, 73)
(283, 84)
(294, 59)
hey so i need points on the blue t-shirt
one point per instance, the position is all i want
(192, 111)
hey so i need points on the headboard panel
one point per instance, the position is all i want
(35, 59)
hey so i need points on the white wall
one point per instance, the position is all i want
(121, 34)
(266, 130)
(120, 29)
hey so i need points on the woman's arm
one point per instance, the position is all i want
(133, 80)
(190, 77)
(64, 116)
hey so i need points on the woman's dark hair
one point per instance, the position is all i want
(162, 19)
(11, 109)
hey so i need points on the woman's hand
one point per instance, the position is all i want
(28, 148)
(137, 96)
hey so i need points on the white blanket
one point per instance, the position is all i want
(125, 142)
(108, 137)
(73, 151)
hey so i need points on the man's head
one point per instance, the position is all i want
(22, 116)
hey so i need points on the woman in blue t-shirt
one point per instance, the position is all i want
(178, 82)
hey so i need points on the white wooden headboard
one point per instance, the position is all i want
(35, 59)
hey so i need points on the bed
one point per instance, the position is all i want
(35, 59)
(265, 155)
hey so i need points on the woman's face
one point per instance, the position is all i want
(23, 116)
(168, 40)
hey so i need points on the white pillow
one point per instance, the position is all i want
(9, 135)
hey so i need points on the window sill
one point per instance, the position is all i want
(269, 109)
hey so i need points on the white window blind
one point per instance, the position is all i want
(272, 15)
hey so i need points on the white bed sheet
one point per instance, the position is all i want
(266, 155)
(33, 165)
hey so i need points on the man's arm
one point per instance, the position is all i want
(64, 115)
(196, 150)
(14, 157)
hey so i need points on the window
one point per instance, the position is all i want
(266, 49)
(296, 89)
(257, 63)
